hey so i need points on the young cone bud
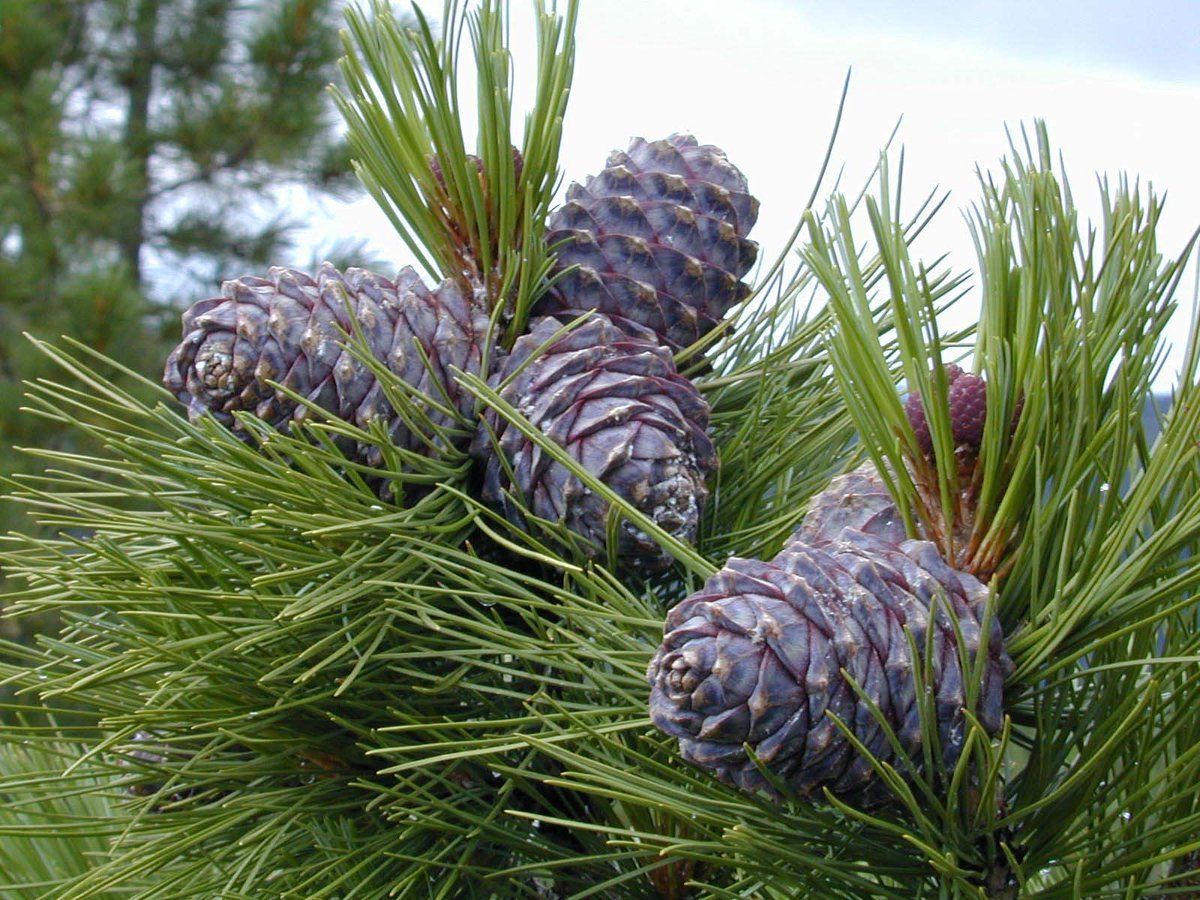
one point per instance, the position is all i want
(968, 409)
(435, 164)
(966, 395)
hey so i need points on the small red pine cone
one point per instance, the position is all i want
(968, 409)
(916, 419)
(967, 397)
(436, 165)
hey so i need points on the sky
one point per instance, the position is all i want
(1118, 84)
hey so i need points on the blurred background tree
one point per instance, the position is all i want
(148, 149)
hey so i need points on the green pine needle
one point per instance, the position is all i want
(403, 104)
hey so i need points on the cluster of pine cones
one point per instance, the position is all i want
(650, 254)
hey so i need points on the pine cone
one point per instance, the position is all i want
(291, 329)
(966, 395)
(858, 500)
(757, 656)
(617, 404)
(659, 239)
(968, 409)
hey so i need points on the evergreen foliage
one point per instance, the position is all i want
(143, 148)
(46, 837)
(297, 689)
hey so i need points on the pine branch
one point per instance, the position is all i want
(478, 220)
(284, 685)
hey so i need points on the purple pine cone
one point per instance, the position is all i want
(757, 656)
(657, 240)
(618, 406)
(968, 409)
(292, 329)
(967, 397)
(858, 500)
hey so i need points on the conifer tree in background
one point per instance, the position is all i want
(394, 611)
(143, 144)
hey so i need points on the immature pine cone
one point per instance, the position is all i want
(757, 656)
(967, 397)
(292, 329)
(618, 406)
(659, 237)
(435, 164)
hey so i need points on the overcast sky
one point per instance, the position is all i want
(1117, 82)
